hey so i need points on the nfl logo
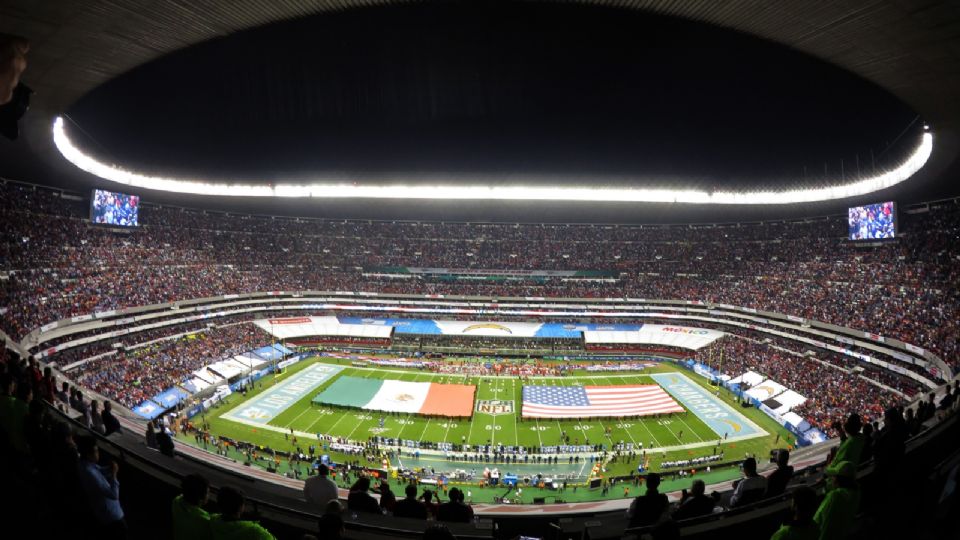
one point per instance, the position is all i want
(495, 407)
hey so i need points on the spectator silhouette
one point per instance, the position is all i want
(48, 386)
(891, 441)
(13, 412)
(150, 435)
(165, 442)
(331, 524)
(866, 454)
(697, 504)
(110, 422)
(96, 419)
(101, 490)
(190, 520)
(410, 507)
(455, 510)
(387, 498)
(360, 500)
(648, 508)
(432, 507)
(801, 525)
(751, 487)
(65, 393)
(64, 468)
(836, 513)
(228, 525)
(778, 479)
(946, 402)
(320, 489)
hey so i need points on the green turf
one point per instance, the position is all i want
(507, 429)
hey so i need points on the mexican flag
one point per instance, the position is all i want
(400, 396)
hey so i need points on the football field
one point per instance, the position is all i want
(269, 412)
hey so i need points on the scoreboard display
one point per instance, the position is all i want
(119, 209)
(873, 221)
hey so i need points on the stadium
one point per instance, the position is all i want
(479, 270)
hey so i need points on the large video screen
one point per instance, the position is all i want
(873, 221)
(111, 208)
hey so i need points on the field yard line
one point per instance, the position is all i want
(330, 429)
(472, 423)
(310, 427)
(305, 411)
(690, 428)
(651, 433)
(644, 424)
(493, 428)
(359, 423)
(539, 438)
(516, 430)
(447, 432)
(424, 429)
(633, 440)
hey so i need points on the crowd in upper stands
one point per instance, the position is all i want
(68, 267)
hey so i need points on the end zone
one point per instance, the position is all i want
(266, 406)
(717, 415)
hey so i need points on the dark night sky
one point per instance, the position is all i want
(495, 88)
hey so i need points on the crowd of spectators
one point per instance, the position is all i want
(831, 392)
(68, 267)
(132, 376)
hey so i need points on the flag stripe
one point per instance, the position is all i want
(400, 396)
(595, 414)
(587, 401)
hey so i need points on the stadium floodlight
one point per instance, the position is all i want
(345, 190)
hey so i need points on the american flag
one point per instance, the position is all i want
(586, 401)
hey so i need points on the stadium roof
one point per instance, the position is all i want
(908, 49)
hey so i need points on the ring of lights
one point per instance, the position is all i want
(333, 189)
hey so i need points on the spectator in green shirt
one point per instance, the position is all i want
(190, 520)
(229, 526)
(839, 508)
(801, 525)
(851, 449)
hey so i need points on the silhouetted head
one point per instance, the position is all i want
(698, 488)
(853, 424)
(333, 507)
(362, 484)
(88, 450)
(653, 480)
(231, 501)
(196, 489)
(783, 457)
